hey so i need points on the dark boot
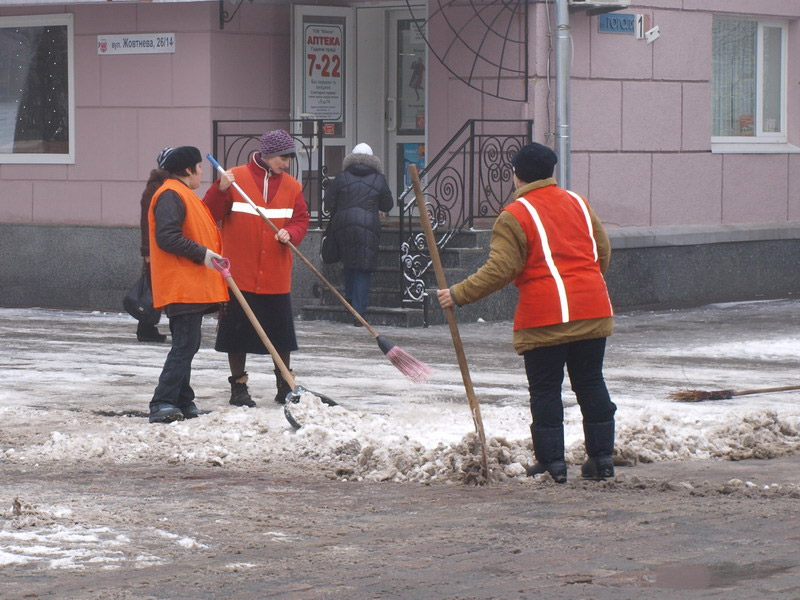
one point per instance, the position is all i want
(239, 394)
(190, 411)
(599, 440)
(164, 412)
(283, 387)
(548, 446)
(149, 333)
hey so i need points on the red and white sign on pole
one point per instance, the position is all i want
(323, 74)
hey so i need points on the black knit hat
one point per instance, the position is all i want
(181, 158)
(534, 162)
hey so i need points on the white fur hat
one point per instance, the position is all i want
(362, 148)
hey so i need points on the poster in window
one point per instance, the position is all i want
(323, 76)
(409, 154)
(410, 79)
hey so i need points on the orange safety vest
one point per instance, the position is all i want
(561, 281)
(259, 263)
(177, 279)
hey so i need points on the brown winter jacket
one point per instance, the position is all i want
(507, 258)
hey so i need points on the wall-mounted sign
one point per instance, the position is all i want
(323, 85)
(136, 43)
(616, 23)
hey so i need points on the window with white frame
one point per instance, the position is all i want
(37, 110)
(749, 81)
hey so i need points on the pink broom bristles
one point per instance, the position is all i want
(409, 366)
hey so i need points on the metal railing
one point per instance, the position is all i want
(470, 178)
(235, 141)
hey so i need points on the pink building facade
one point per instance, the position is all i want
(662, 152)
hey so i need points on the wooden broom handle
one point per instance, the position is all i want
(784, 388)
(441, 281)
(299, 254)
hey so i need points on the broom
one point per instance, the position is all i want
(441, 281)
(701, 395)
(409, 366)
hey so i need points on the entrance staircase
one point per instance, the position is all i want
(467, 251)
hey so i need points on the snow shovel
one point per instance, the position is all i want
(441, 281)
(293, 397)
(409, 366)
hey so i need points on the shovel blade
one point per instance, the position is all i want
(294, 396)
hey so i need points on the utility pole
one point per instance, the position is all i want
(563, 60)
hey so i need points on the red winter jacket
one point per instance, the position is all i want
(259, 263)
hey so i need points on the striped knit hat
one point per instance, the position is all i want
(181, 158)
(162, 156)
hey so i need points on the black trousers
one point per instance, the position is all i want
(174, 383)
(545, 370)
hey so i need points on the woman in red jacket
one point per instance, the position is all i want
(553, 247)
(261, 262)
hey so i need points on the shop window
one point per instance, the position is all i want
(36, 90)
(748, 84)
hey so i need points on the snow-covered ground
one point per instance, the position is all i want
(77, 384)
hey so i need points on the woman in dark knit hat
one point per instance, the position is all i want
(183, 241)
(553, 247)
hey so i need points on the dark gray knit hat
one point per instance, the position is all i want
(277, 143)
(534, 162)
(181, 158)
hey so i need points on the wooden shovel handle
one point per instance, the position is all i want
(276, 358)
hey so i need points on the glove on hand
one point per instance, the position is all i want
(207, 259)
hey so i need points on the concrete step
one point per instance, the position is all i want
(377, 316)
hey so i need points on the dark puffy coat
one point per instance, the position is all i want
(353, 199)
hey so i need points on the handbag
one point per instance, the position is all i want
(328, 250)
(139, 302)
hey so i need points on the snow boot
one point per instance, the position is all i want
(548, 446)
(239, 394)
(164, 412)
(283, 387)
(599, 441)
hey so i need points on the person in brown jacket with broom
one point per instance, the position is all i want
(550, 243)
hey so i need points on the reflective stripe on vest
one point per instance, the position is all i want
(588, 218)
(548, 257)
(270, 213)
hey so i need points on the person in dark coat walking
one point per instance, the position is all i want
(146, 332)
(353, 200)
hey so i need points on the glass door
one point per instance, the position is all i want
(406, 99)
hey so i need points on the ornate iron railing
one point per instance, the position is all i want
(470, 178)
(235, 141)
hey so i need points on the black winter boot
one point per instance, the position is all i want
(164, 412)
(239, 394)
(190, 411)
(149, 333)
(283, 387)
(599, 441)
(548, 446)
